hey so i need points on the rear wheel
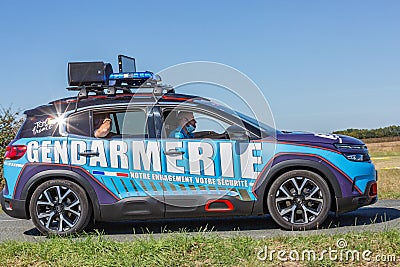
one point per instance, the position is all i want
(299, 200)
(60, 207)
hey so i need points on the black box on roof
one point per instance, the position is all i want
(88, 73)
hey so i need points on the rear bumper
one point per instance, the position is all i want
(352, 203)
(14, 208)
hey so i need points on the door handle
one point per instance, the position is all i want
(174, 152)
(89, 154)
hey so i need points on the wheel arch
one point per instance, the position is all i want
(280, 168)
(46, 175)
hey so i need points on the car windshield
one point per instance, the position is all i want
(270, 130)
(252, 121)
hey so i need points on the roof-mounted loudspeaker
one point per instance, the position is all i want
(88, 73)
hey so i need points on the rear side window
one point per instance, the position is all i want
(127, 123)
(131, 123)
(79, 124)
(38, 126)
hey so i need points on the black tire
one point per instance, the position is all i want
(60, 207)
(299, 200)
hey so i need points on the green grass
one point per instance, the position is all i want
(386, 157)
(385, 154)
(384, 149)
(388, 184)
(182, 249)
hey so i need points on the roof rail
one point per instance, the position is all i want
(155, 89)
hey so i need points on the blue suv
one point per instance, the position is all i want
(62, 175)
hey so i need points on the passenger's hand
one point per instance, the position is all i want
(107, 123)
(104, 128)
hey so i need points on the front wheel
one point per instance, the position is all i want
(299, 200)
(60, 207)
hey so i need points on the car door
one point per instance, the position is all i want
(207, 176)
(119, 162)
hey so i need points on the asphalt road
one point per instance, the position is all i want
(383, 215)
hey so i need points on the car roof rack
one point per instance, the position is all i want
(98, 78)
(157, 90)
(111, 90)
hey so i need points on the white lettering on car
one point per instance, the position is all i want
(226, 159)
(146, 156)
(330, 136)
(247, 159)
(41, 126)
(201, 158)
(119, 149)
(171, 159)
(45, 151)
(76, 148)
(32, 152)
(60, 152)
(201, 152)
(98, 147)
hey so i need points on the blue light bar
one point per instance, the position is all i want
(131, 75)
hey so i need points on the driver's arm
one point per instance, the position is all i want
(210, 134)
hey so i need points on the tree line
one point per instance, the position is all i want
(10, 122)
(389, 131)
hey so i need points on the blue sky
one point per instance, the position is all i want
(322, 65)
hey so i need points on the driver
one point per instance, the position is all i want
(187, 126)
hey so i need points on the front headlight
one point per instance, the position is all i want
(357, 156)
(354, 152)
(350, 146)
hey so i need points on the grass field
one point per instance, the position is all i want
(386, 157)
(382, 149)
(202, 249)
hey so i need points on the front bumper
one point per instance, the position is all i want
(14, 208)
(352, 203)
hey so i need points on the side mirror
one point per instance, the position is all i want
(237, 133)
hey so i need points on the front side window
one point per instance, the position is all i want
(183, 123)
